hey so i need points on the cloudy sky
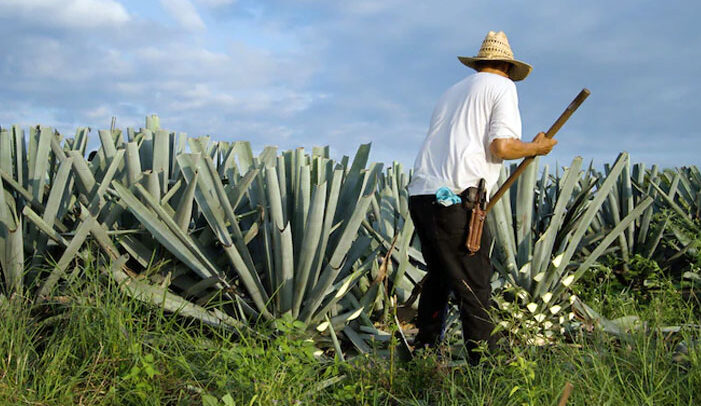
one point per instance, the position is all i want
(341, 73)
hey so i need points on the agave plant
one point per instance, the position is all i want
(392, 229)
(535, 249)
(680, 195)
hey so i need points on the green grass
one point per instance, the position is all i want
(96, 346)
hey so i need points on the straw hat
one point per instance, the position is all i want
(495, 47)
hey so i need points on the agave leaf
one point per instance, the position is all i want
(235, 250)
(268, 157)
(352, 186)
(24, 193)
(341, 289)
(20, 163)
(56, 196)
(654, 240)
(227, 168)
(137, 250)
(43, 226)
(674, 185)
(173, 191)
(97, 202)
(335, 263)
(356, 340)
(276, 223)
(591, 211)
(628, 204)
(161, 155)
(183, 213)
(7, 216)
(506, 202)
(13, 261)
(499, 226)
(613, 204)
(178, 145)
(220, 194)
(322, 152)
(244, 153)
(541, 203)
(85, 181)
(342, 320)
(6, 152)
(81, 140)
(198, 288)
(146, 150)
(544, 246)
(188, 253)
(331, 204)
(239, 191)
(145, 292)
(672, 204)
(133, 164)
(282, 180)
(524, 213)
(152, 184)
(646, 218)
(301, 206)
(309, 246)
(287, 269)
(575, 212)
(81, 233)
(612, 235)
(58, 152)
(153, 122)
(40, 164)
(107, 141)
(334, 340)
(406, 235)
(213, 213)
(31, 153)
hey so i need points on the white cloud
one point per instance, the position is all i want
(216, 3)
(184, 13)
(67, 13)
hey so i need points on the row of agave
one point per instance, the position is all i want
(209, 230)
(203, 228)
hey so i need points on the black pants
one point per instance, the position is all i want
(443, 232)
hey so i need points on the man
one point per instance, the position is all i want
(475, 125)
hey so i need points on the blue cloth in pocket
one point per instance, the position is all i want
(446, 197)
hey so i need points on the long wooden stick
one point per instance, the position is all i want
(551, 132)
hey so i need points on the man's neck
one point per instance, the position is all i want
(494, 71)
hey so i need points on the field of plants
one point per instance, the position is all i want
(165, 269)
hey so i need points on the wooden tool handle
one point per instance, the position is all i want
(551, 132)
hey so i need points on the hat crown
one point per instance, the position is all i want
(495, 46)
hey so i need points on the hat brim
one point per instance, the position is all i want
(519, 71)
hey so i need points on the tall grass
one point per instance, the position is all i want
(96, 346)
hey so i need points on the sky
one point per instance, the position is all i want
(342, 73)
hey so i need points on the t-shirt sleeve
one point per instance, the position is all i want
(505, 121)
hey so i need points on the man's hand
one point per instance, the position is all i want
(511, 148)
(543, 144)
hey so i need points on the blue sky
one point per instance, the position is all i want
(313, 72)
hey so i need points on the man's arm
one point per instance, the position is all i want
(512, 148)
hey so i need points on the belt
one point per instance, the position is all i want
(467, 196)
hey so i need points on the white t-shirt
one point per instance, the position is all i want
(467, 118)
